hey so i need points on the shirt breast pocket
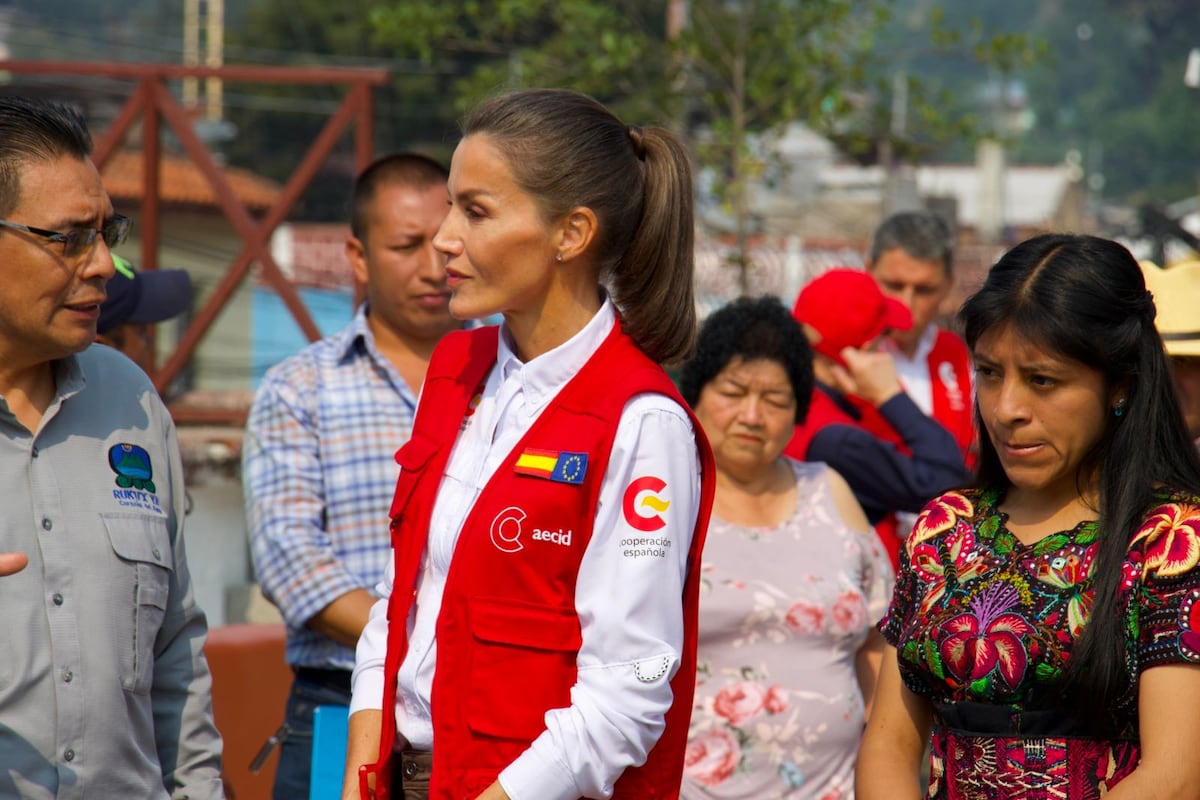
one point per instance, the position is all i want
(142, 545)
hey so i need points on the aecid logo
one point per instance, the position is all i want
(559, 536)
(644, 512)
(506, 530)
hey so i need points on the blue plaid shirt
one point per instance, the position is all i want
(318, 471)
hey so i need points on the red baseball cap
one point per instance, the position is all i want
(847, 309)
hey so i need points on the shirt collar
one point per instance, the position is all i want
(356, 330)
(924, 346)
(542, 377)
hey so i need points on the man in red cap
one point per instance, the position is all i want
(861, 422)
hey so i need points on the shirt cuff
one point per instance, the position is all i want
(531, 777)
(366, 691)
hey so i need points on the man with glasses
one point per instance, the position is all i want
(104, 690)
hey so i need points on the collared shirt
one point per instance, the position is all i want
(631, 639)
(319, 471)
(914, 372)
(104, 690)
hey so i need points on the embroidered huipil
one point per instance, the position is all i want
(984, 627)
(635, 630)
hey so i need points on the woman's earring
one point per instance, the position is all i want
(558, 257)
(1119, 409)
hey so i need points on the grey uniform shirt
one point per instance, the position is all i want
(104, 689)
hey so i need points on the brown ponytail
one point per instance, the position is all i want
(567, 150)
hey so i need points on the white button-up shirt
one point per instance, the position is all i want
(628, 596)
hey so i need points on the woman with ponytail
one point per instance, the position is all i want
(1045, 627)
(537, 629)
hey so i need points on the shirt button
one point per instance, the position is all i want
(58, 599)
(69, 755)
(34, 452)
(47, 524)
(68, 676)
(156, 553)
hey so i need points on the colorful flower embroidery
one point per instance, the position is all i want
(1071, 572)
(1171, 535)
(987, 638)
(930, 566)
(1189, 626)
(940, 515)
(981, 617)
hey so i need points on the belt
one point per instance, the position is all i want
(985, 719)
(337, 679)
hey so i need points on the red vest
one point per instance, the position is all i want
(823, 412)
(508, 633)
(950, 382)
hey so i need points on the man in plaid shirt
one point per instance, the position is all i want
(318, 465)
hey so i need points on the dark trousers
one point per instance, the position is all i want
(410, 773)
(310, 688)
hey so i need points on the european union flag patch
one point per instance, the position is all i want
(553, 465)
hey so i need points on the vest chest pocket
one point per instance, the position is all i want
(412, 457)
(522, 665)
(143, 546)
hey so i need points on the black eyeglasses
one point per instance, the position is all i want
(80, 240)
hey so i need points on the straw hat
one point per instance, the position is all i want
(1177, 297)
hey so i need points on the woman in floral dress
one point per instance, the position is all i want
(1045, 629)
(793, 578)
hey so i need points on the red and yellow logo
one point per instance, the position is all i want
(641, 495)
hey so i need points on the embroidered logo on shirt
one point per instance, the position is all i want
(555, 465)
(135, 477)
(506, 530)
(954, 395)
(635, 504)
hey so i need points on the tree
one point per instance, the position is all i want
(276, 123)
(615, 50)
(753, 66)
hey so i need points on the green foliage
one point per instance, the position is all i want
(278, 124)
(614, 51)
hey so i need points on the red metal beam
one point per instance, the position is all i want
(120, 126)
(254, 238)
(151, 151)
(364, 154)
(232, 73)
(155, 102)
(299, 180)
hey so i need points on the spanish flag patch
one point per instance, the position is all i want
(553, 465)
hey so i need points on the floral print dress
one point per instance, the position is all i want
(984, 626)
(783, 611)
